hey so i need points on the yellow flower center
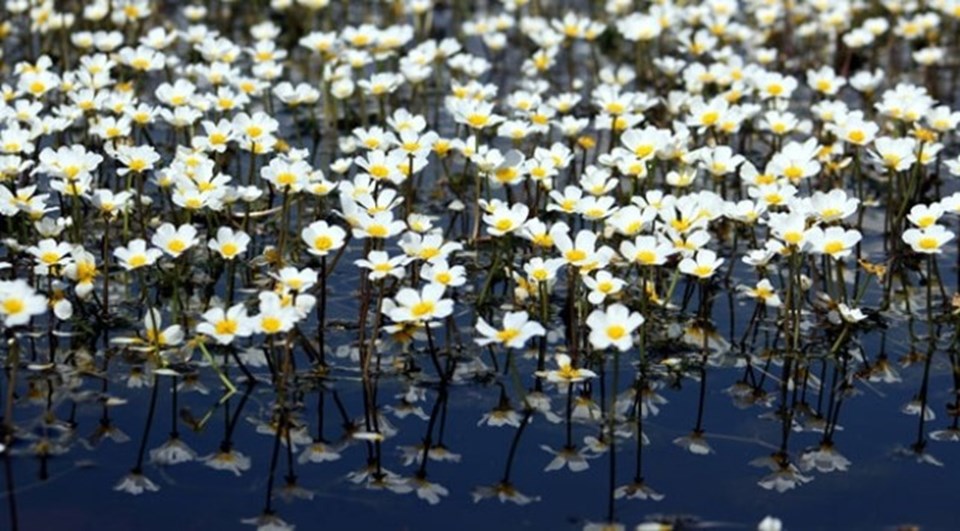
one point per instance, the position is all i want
(575, 255)
(508, 334)
(633, 227)
(709, 117)
(12, 306)
(616, 331)
(505, 175)
(323, 243)
(379, 171)
(428, 253)
(70, 172)
(830, 213)
(177, 246)
(793, 173)
(50, 257)
(773, 198)
(477, 120)
(646, 257)
(833, 247)
(226, 327)
(567, 372)
(86, 271)
(503, 224)
(422, 309)
(377, 231)
(271, 324)
(643, 150)
(703, 270)
(154, 336)
(229, 249)
(928, 243)
(680, 225)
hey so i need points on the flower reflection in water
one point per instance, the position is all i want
(136, 483)
(352, 238)
(228, 459)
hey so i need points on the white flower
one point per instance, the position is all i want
(381, 265)
(613, 327)
(175, 240)
(834, 241)
(322, 238)
(440, 272)
(136, 255)
(225, 325)
(503, 220)
(702, 266)
(763, 292)
(601, 286)
(565, 373)
(517, 329)
(167, 337)
(19, 302)
(929, 240)
(229, 244)
(424, 305)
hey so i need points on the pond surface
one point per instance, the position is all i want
(525, 265)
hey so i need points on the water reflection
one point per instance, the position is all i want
(390, 425)
(663, 296)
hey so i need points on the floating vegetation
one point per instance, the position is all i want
(461, 251)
